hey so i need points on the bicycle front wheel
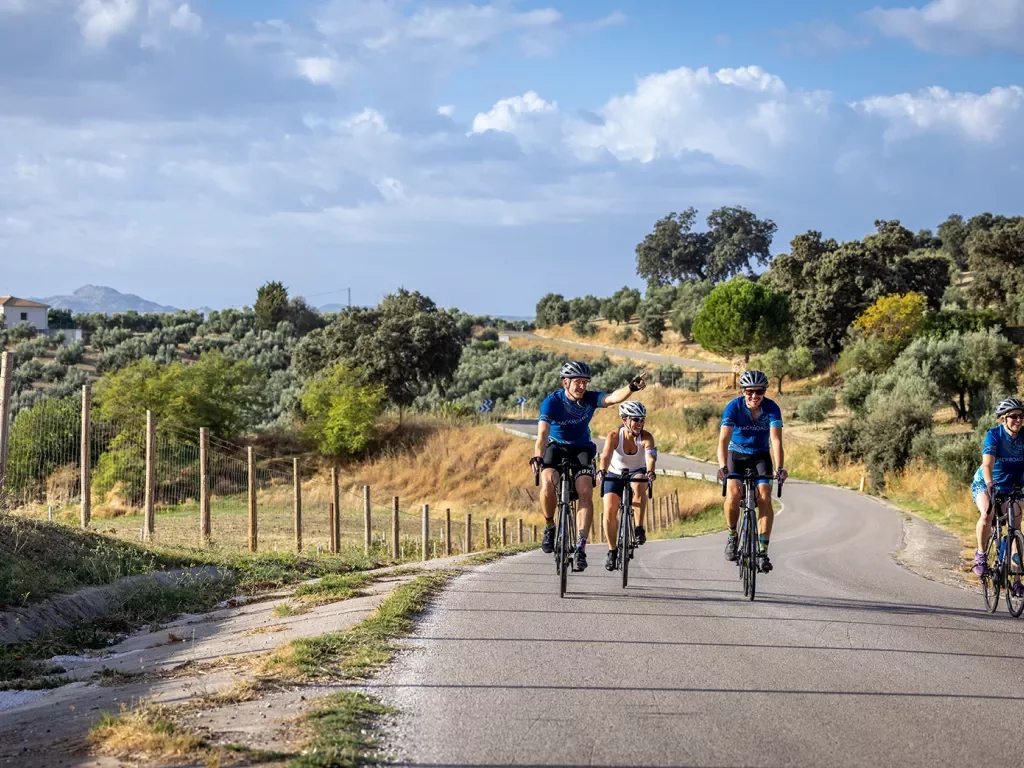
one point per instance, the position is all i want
(990, 580)
(752, 553)
(625, 551)
(564, 557)
(1015, 572)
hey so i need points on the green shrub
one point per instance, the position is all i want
(960, 458)
(53, 371)
(889, 433)
(925, 445)
(342, 411)
(626, 334)
(696, 418)
(583, 327)
(844, 445)
(71, 354)
(857, 385)
(818, 406)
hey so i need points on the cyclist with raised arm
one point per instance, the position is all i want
(564, 431)
(1002, 468)
(631, 447)
(751, 438)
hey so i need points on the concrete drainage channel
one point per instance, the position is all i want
(19, 625)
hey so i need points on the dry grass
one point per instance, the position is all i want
(147, 732)
(927, 491)
(267, 630)
(672, 343)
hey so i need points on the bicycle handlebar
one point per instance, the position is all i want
(636, 476)
(756, 477)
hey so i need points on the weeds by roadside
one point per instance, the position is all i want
(344, 732)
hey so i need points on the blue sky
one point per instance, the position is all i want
(482, 153)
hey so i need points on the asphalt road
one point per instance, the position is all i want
(682, 362)
(845, 658)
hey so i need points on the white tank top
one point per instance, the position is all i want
(622, 460)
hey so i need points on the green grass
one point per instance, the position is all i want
(335, 587)
(345, 732)
(362, 649)
(711, 520)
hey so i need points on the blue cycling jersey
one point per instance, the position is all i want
(570, 422)
(1009, 454)
(751, 435)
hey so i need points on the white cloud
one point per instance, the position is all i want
(446, 110)
(185, 19)
(742, 116)
(956, 25)
(322, 70)
(984, 118)
(508, 115)
(102, 20)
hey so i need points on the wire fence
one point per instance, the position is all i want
(44, 475)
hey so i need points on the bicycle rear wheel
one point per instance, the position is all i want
(752, 552)
(741, 554)
(990, 580)
(1014, 572)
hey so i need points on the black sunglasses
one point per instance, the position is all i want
(753, 391)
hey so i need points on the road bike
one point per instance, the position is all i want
(626, 542)
(747, 559)
(565, 533)
(1004, 552)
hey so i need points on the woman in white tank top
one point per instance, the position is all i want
(629, 447)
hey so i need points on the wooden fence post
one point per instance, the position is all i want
(425, 532)
(6, 372)
(519, 538)
(335, 512)
(678, 513)
(150, 502)
(85, 447)
(298, 504)
(469, 533)
(504, 533)
(395, 532)
(204, 485)
(447, 533)
(487, 533)
(533, 538)
(367, 520)
(252, 499)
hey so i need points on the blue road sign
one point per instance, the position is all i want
(522, 400)
(486, 406)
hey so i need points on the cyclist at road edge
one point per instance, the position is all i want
(631, 447)
(751, 438)
(563, 430)
(1002, 468)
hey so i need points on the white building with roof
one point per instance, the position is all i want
(15, 310)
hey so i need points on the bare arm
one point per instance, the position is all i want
(988, 463)
(650, 452)
(622, 394)
(543, 430)
(778, 453)
(610, 444)
(724, 436)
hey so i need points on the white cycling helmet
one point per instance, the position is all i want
(632, 410)
(753, 379)
(1009, 404)
(575, 369)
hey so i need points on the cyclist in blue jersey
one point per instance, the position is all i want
(1002, 468)
(564, 431)
(750, 438)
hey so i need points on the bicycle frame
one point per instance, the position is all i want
(1006, 514)
(748, 549)
(565, 531)
(626, 539)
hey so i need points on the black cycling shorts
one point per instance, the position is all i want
(582, 457)
(738, 463)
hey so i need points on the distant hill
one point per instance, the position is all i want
(100, 298)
